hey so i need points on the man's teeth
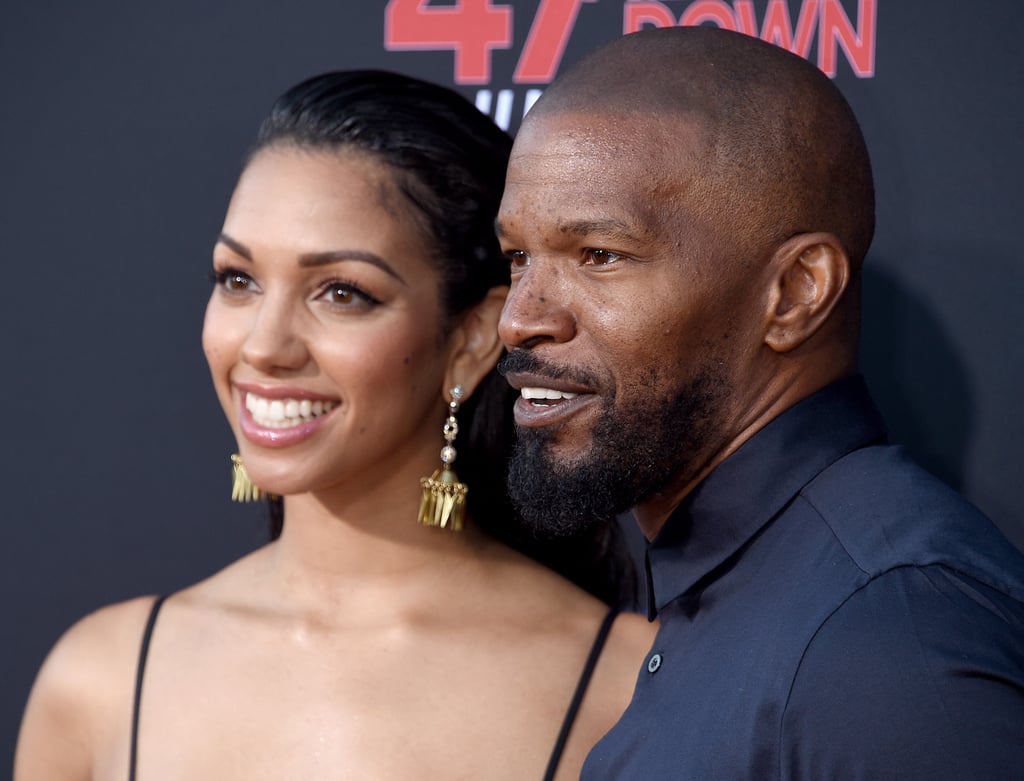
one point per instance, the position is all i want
(546, 394)
(282, 413)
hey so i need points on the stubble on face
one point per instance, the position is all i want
(635, 452)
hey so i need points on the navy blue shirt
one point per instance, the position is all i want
(828, 611)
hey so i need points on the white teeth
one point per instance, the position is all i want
(548, 394)
(282, 413)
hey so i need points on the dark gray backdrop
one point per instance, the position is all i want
(123, 125)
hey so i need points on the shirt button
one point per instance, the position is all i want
(654, 663)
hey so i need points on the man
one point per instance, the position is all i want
(686, 214)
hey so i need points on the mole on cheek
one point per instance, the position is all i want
(405, 360)
(541, 299)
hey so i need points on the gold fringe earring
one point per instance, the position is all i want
(243, 489)
(444, 497)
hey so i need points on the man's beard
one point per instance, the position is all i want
(634, 453)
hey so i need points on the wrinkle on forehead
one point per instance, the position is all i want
(659, 156)
(650, 139)
(644, 169)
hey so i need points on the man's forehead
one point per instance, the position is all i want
(596, 174)
(576, 139)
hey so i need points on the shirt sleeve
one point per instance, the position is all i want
(917, 675)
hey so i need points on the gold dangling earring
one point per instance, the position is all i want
(243, 489)
(444, 497)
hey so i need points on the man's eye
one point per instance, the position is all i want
(518, 259)
(600, 257)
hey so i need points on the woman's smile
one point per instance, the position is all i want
(286, 412)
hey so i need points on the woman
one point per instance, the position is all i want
(357, 290)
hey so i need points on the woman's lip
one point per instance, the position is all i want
(281, 392)
(278, 437)
(532, 415)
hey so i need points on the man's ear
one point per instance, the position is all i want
(474, 344)
(812, 271)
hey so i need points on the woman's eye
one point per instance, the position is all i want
(600, 257)
(345, 295)
(340, 294)
(233, 281)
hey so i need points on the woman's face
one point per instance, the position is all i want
(323, 330)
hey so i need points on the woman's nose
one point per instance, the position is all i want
(274, 343)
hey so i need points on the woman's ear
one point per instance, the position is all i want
(812, 271)
(474, 344)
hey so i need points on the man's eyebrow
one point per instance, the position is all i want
(607, 228)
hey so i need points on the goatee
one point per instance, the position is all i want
(633, 454)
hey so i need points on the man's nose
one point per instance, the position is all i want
(538, 308)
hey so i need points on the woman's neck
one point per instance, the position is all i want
(346, 546)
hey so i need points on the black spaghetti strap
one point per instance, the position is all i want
(137, 701)
(581, 689)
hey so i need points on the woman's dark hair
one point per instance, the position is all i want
(448, 160)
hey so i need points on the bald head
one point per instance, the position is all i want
(684, 212)
(777, 134)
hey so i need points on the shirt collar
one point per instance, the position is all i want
(751, 486)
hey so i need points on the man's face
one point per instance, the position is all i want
(630, 318)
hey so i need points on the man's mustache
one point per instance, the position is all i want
(520, 361)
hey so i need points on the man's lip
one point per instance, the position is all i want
(520, 381)
(531, 415)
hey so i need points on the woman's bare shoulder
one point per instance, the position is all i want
(611, 685)
(630, 639)
(610, 689)
(82, 694)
